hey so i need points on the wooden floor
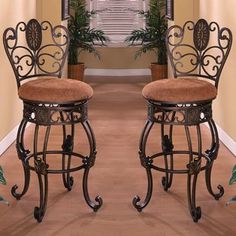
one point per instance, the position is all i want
(117, 113)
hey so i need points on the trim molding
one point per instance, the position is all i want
(8, 140)
(117, 72)
(226, 139)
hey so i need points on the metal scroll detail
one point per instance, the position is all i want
(30, 61)
(203, 56)
(182, 114)
(52, 114)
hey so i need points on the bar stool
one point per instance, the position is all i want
(187, 102)
(37, 53)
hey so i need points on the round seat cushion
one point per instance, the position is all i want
(55, 90)
(180, 90)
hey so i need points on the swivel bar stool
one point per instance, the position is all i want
(37, 53)
(187, 102)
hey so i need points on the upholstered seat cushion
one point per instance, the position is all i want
(54, 90)
(180, 90)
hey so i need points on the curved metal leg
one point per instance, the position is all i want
(212, 154)
(191, 192)
(41, 170)
(194, 168)
(167, 148)
(146, 162)
(68, 145)
(88, 163)
(22, 154)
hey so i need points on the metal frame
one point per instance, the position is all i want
(31, 61)
(187, 115)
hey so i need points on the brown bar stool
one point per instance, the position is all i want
(186, 101)
(38, 51)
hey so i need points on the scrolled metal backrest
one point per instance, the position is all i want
(36, 49)
(199, 49)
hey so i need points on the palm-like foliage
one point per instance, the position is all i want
(152, 37)
(4, 182)
(232, 181)
(82, 37)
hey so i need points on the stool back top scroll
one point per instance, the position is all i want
(198, 49)
(36, 50)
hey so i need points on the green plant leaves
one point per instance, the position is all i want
(4, 182)
(233, 177)
(3, 200)
(82, 37)
(231, 200)
(2, 179)
(152, 37)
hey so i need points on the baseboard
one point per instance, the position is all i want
(117, 72)
(226, 139)
(6, 142)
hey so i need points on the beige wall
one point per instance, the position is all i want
(11, 12)
(117, 58)
(223, 12)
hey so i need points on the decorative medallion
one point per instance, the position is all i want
(33, 34)
(201, 34)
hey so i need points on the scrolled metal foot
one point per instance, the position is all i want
(69, 184)
(16, 195)
(221, 192)
(137, 201)
(196, 214)
(26, 185)
(165, 183)
(98, 199)
(38, 214)
(194, 211)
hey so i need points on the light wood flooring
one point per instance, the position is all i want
(117, 113)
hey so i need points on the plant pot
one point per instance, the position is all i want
(158, 71)
(76, 71)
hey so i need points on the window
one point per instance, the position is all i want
(117, 18)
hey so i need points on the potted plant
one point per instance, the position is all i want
(232, 181)
(82, 37)
(4, 182)
(152, 37)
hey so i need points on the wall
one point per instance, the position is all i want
(223, 12)
(118, 58)
(10, 106)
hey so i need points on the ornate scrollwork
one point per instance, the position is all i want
(55, 114)
(30, 61)
(179, 114)
(203, 57)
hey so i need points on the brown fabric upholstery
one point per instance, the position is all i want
(180, 90)
(54, 90)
